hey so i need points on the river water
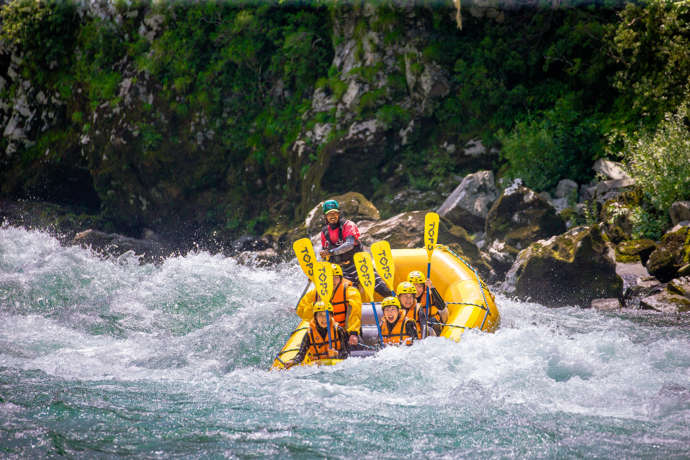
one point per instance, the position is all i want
(107, 358)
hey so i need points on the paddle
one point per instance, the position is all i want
(430, 237)
(306, 257)
(323, 279)
(365, 272)
(383, 261)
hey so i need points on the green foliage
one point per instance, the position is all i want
(559, 144)
(651, 43)
(660, 162)
(648, 223)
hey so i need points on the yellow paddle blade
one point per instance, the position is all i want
(323, 279)
(383, 261)
(430, 232)
(306, 257)
(365, 271)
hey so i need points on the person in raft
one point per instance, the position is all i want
(438, 311)
(316, 341)
(339, 244)
(396, 328)
(410, 308)
(346, 302)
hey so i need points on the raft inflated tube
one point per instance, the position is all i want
(470, 304)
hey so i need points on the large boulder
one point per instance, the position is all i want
(112, 244)
(520, 216)
(406, 230)
(635, 250)
(672, 256)
(611, 170)
(468, 205)
(353, 206)
(569, 269)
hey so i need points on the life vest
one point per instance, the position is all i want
(340, 304)
(433, 309)
(397, 334)
(318, 347)
(330, 244)
(413, 314)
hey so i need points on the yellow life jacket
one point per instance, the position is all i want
(318, 345)
(397, 334)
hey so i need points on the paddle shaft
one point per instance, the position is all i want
(328, 326)
(378, 326)
(303, 292)
(428, 298)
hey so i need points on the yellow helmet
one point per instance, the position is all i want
(406, 288)
(337, 271)
(416, 277)
(390, 302)
(321, 306)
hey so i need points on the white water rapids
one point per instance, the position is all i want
(107, 357)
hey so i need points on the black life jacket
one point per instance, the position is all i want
(340, 258)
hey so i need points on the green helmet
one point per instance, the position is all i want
(330, 205)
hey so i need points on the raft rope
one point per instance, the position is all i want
(480, 283)
(282, 352)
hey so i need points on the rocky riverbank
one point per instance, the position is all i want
(551, 249)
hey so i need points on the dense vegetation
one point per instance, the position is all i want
(227, 86)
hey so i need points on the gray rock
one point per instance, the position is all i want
(566, 188)
(666, 302)
(610, 169)
(112, 244)
(468, 205)
(569, 269)
(520, 217)
(679, 212)
(606, 304)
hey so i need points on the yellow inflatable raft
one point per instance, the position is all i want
(470, 304)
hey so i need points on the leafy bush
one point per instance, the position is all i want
(561, 144)
(660, 162)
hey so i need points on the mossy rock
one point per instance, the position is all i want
(520, 217)
(635, 250)
(672, 253)
(569, 269)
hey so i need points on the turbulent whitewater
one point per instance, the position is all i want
(109, 357)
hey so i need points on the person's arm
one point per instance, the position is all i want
(438, 302)
(305, 307)
(348, 245)
(299, 357)
(342, 336)
(354, 321)
(411, 331)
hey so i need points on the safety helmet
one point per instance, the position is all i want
(321, 306)
(337, 271)
(406, 288)
(330, 205)
(390, 302)
(415, 277)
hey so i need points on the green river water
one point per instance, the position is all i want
(110, 358)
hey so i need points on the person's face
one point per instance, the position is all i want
(391, 313)
(321, 318)
(407, 300)
(332, 217)
(419, 287)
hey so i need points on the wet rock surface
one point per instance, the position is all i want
(672, 256)
(468, 205)
(569, 269)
